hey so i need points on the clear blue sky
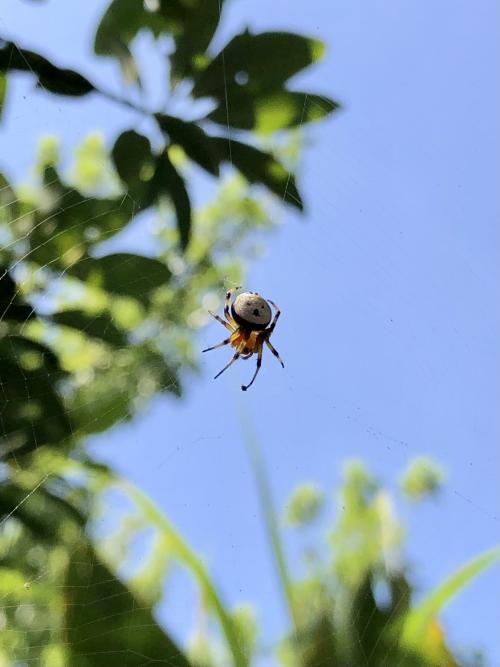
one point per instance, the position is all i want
(389, 289)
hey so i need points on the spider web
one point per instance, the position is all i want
(316, 405)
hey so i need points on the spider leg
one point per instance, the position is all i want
(275, 352)
(273, 323)
(236, 356)
(214, 347)
(227, 341)
(227, 314)
(244, 387)
(223, 322)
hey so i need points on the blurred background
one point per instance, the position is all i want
(338, 158)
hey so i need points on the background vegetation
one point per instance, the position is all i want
(88, 336)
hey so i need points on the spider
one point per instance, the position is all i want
(250, 325)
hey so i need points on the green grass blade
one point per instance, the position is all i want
(187, 556)
(266, 500)
(418, 619)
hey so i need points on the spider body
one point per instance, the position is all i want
(249, 321)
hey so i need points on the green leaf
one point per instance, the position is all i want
(122, 21)
(260, 167)
(123, 273)
(33, 413)
(94, 326)
(9, 209)
(50, 77)
(168, 181)
(117, 391)
(373, 628)
(65, 224)
(42, 512)
(419, 618)
(103, 618)
(193, 40)
(317, 644)
(134, 162)
(274, 111)
(259, 63)
(97, 406)
(3, 91)
(194, 141)
(11, 304)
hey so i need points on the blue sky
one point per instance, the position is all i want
(389, 289)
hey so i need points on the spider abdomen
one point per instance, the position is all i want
(251, 311)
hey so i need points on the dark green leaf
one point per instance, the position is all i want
(133, 160)
(260, 167)
(318, 644)
(193, 140)
(50, 77)
(123, 273)
(104, 619)
(42, 512)
(374, 629)
(193, 40)
(11, 304)
(259, 63)
(168, 181)
(125, 18)
(33, 413)
(268, 113)
(95, 326)
(121, 22)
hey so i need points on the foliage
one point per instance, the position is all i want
(423, 477)
(73, 599)
(89, 333)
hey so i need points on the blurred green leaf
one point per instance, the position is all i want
(116, 392)
(8, 202)
(95, 326)
(259, 167)
(133, 160)
(123, 273)
(259, 63)
(122, 21)
(64, 223)
(318, 644)
(168, 181)
(304, 504)
(12, 306)
(271, 112)
(372, 626)
(42, 512)
(104, 619)
(50, 77)
(192, 41)
(3, 91)
(423, 477)
(196, 144)
(421, 616)
(32, 410)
